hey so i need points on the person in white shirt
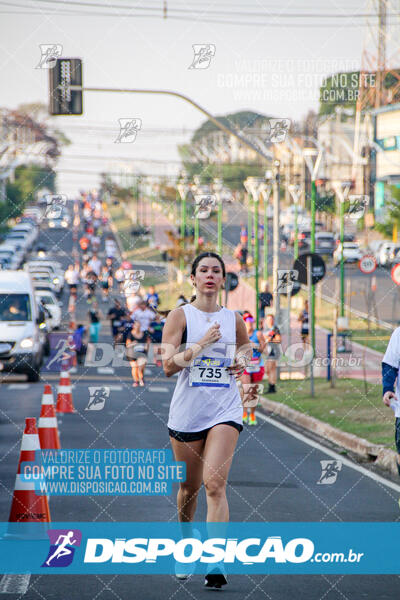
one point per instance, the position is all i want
(144, 315)
(95, 264)
(133, 301)
(71, 276)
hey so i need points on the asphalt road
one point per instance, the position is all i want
(273, 478)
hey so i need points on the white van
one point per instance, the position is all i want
(22, 329)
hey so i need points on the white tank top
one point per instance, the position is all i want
(194, 408)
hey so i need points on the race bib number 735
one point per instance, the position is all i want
(209, 372)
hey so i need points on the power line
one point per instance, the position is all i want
(229, 13)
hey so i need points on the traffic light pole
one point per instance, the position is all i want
(217, 123)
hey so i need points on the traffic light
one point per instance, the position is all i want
(65, 73)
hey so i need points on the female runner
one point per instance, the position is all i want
(205, 416)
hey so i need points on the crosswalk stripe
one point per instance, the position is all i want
(18, 386)
(156, 388)
(105, 371)
(15, 584)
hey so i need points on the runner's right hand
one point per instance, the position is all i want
(388, 396)
(212, 335)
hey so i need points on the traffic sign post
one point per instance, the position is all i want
(318, 268)
(367, 264)
(395, 274)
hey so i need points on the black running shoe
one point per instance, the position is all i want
(215, 579)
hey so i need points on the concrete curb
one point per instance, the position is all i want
(378, 455)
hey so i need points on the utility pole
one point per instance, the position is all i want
(275, 241)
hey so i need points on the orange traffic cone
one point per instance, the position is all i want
(27, 506)
(48, 426)
(64, 395)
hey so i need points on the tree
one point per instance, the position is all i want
(392, 213)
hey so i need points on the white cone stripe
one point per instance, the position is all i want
(47, 422)
(48, 399)
(30, 441)
(22, 486)
(64, 389)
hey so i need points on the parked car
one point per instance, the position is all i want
(18, 238)
(351, 253)
(325, 243)
(37, 269)
(50, 302)
(54, 266)
(14, 257)
(22, 324)
(43, 281)
(30, 230)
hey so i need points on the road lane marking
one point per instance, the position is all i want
(329, 452)
(105, 371)
(15, 584)
(18, 386)
(115, 388)
(156, 388)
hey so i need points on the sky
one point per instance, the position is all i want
(273, 66)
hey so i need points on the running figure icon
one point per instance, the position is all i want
(62, 549)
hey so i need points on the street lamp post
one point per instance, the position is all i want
(342, 189)
(250, 205)
(295, 192)
(182, 190)
(217, 187)
(276, 240)
(196, 183)
(265, 191)
(254, 187)
(313, 168)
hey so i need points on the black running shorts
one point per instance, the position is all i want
(193, 436)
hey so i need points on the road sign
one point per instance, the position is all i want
(395, 274)
(318, 268)
(63, 100)
(367, 264)
(231, 281)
